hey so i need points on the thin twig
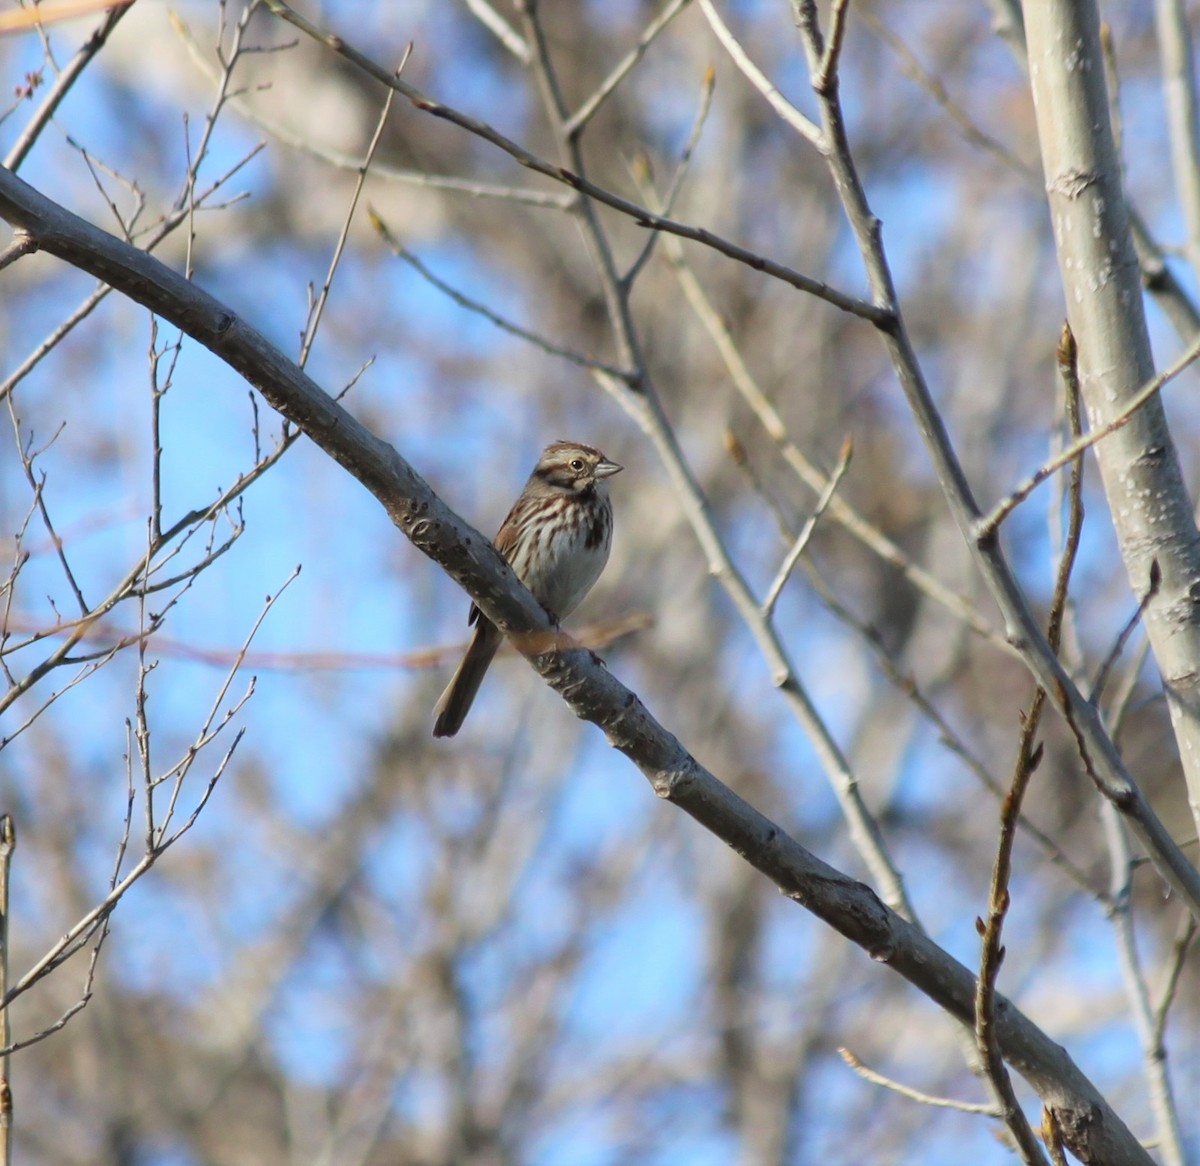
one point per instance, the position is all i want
(1179, 953)
(210, 728)
(667, 204)
(500, 29)
(1131, 624)
(877, 1078)
(803, 125)
(806, 531)
(987, 525)
(64, 82)
(473, 305)
(575, 124)
(992, 955)
(572, 178)
(826, 74)
(22, 244)
(8, 843)
(772, 422)
(1029, 754)
(27, 455)
(314, 321)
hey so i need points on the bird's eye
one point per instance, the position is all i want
(577, 464)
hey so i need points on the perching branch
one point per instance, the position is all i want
(1097, 1132)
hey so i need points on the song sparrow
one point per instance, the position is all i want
(556, 537)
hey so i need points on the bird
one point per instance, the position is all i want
(556, 538)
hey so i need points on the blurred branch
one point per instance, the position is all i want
(1183, 122)
(561, 174)
(342, 161)
(1161, 282)
(868, 1074)
(1150, 1036)
(1151, 1028)
(776, 100)
(44, 14)
(1179, 953)
(575, 124)
(8, 843)
(576, 674)
(806, 531)
(644, 407)
(1122, 638)
(595, 635)
(21, 245)
(827, 67)
(314, 317)
(988, 524)
(906, 683)
(932, 85)
(471, 305)
(499, 28)
(642, 177)
(1106, 767)
(815, 479)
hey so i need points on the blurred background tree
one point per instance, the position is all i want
(371, 947)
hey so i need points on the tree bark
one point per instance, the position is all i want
(1151, 509)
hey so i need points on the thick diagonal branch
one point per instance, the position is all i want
(1095, 1131)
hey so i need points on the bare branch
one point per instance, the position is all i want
(581, 679)
(769, 418)
(8, 842)
(868, 1074)
(1103, 762)
(804, 126)
(1179, 953)
(988, 524)
(575, 124)
(499, 28)
(472, 305)
(20, 246)
(639, 214)
(1029, 754)
(314, 321)
(806, 531)
(826, 74)
(1183, 118)
(67, 78)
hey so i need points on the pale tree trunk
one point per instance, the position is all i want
(1138, 465)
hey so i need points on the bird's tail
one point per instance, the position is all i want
(454, 704)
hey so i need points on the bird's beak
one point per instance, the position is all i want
(606, 469)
